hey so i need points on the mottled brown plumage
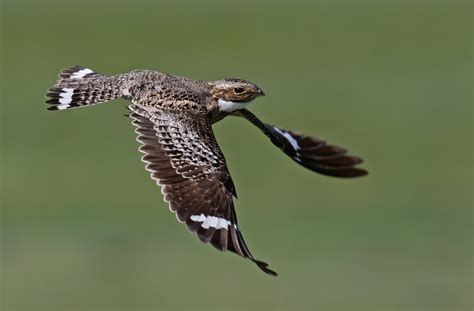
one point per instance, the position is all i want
(173, 117)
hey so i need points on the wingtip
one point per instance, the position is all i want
(264, 267)
(364, 172)
(358, 172)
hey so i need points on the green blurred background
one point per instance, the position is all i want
(85, 229)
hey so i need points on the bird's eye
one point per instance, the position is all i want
(239, 90)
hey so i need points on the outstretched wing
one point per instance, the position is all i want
(311, 152)
(182, 155)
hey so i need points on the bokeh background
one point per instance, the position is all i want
(85, 229)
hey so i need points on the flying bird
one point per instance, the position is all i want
(173, 119)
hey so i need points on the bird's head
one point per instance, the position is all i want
(234, 94)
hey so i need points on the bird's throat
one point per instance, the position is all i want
(229, 106)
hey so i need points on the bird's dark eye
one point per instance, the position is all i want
(239, 90)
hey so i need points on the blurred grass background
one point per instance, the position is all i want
(84, 228)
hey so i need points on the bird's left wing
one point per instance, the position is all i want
(311, 152)
(183, 157)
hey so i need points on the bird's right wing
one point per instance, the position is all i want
(313, 153)
(182, 155)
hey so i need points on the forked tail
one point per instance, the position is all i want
(79, 87)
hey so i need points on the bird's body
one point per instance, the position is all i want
(173, 117)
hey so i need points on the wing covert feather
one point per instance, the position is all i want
(183, 157)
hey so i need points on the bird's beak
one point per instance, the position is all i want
(260, 92)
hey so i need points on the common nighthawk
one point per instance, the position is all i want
(173, 117)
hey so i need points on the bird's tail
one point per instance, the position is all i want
(79, 87)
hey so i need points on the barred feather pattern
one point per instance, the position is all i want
(79, 86)
(182, 156)
(173, 117)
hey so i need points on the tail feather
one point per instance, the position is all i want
(76, 72)
(80, 86)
